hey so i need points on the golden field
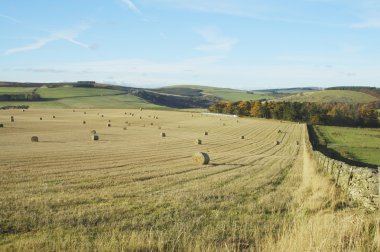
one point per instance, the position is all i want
(135, 190)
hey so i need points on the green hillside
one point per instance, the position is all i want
(222, 93)
(345, 96)
(70, 97)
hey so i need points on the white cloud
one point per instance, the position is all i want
(372, 23)
(132, 6)
(66, 35)
(14, 20)
(214, 40)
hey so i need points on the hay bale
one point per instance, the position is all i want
(108, 125)
(125, 113)
(84, 122)
(85, 113)
(224, 124)
(297, 143)
(140, 117)
(279, 131)
(53, 116)
(276, 142)
(201, 158)
(73, 110)
(242, 137)
(156, 117)
(93, 132)
(12, 119)
(1, 125)
(23, 110)
(159, 127)
(102, 115)
(95, 137)
(141, 109)
(163, 134)
(125, 128)
(206, 133)
(151, 124)
(40, 118)
(109, 121)
(237, 121)
(34, 139)
(198, 141)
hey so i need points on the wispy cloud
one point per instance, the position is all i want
(66, 35)
(214, 40)
(372, 23)
(130, 4)
(9, 18)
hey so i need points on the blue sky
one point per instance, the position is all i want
(246, 44)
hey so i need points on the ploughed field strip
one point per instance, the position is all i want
(133, 181)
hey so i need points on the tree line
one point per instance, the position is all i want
(337, 114)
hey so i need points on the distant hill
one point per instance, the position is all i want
(96, 95)
(327, 96)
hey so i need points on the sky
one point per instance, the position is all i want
(245, 44)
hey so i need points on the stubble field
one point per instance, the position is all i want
(134, 190)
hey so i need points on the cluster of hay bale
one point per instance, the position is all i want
(201, 158)
(34, 139)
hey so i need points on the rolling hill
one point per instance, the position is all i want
(326, 96)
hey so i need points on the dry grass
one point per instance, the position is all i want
(132, 190)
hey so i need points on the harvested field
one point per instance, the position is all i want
(134, 190)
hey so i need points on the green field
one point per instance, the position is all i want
(227, 93)
(69, 97)
(11, 90)
(332, 96)
(354, 143)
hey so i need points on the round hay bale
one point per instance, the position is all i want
(198, 141)
(53, 116)
(201, 158)
(1, 125)
(163, 134)
(93, 132)
(95, 137)
(23, 110)
(125, 128)
(85, 113)
(108, 125)
(109, 120)
(140, 117)
(192, 115)
(125, 113)
(156, 117)
(242, 137)
(224, 124)
(206, 133)
(12, 119)
(84, 122)
(102, 115)
(40, 118)
(279, 131)
(297, 143)
(151, 124)
(34, 139)
(276, 142)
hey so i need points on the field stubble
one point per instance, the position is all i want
(133, 190)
